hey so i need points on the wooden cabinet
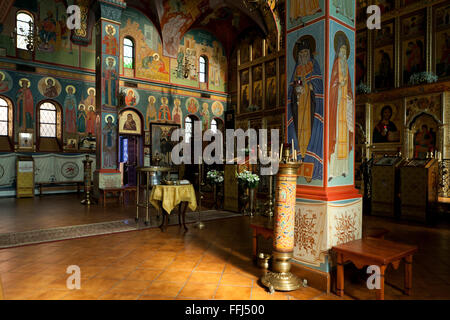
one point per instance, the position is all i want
(231, 196)
(418, 188)
(25, 177)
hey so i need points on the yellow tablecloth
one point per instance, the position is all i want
(171, 196)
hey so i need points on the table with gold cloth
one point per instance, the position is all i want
(169, 196)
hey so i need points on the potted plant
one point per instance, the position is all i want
(250, 181)
(215, 177)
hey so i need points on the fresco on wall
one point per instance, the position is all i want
(341, 107)
(109, 139)
(130, 122)
(150, 61)
(25, 106)
(387, 123)
(150, 114)
(385, 35)
(305, 67)
(192, 105)
(81, 118)
(164, 113)
(55, 45)
(442, 16)
(177, 113)
(302, 11)
(110, 43)
(344, 10)
(5, 82)
(131, 97)
(217, 109)
(110, 82)
(185, 67)
(205, 116)
(70, 110)
(49, 87)
(414, 25)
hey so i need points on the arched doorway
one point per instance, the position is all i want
(130, 144)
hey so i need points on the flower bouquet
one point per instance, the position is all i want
(248, 179)
(423, 77)
(215, 176)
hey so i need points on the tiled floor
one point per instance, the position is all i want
(213, 263)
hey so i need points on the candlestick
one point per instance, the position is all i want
(281, 152)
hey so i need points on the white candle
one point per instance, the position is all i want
(281, 152)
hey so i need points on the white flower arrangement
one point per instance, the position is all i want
(248, 179)
(215, 176)
(423, 77)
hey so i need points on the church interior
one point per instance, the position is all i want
(348, 99)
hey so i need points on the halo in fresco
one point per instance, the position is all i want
(217, 108)
(73, 89)
(192, 105)
(89, 89)
(109, 116)
(81, 105)
(109, 28)
(27, 81)
(6, 82)
(341, 38)
(49, 87)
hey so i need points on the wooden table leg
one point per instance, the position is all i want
(184, 216)
(255, 244)
(104, 198)
(380, 292)
(179, 213)
(340, 275)
(408, 274)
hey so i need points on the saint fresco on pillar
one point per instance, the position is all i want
(341, 126)
(109, 134)
(305, 107)
(110, 82)
(344, 10)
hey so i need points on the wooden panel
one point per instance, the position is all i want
(231, 196)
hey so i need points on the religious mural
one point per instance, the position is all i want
(306, 99)
(244, 91)
(130, 122)
(110, 81)
(6, 82)
(341, 108)
(70, 110)
(25, 106)
(413, 53)
(185, 67)
(302, 11)
(150, 61)
(344, 10)
(49, 87)
(257, 86)
(109, 139)
(425, 131)
(387, 122)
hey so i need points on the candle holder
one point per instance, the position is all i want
(280, 278)
(87, 181)
(199, 224)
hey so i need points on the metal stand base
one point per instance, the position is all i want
(281, 281)
(199, 225)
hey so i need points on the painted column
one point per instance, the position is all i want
(320, 119)
(107, 87)
(283, 239)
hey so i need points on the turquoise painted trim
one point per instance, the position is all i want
(346, 201)
(309, 201)
(319, 201)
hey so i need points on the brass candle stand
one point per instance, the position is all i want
(87, 163)
(280, 278)
(199, 224)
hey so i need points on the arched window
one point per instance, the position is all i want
(188, 127)
(4, 117)
(49, 121)
(6, 124)
(128, 53)
(203, 70)
(214, 125)
(24, 22)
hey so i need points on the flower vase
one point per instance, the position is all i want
(251, 201)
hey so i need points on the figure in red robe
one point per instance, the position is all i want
(110, 41)
(25, 105)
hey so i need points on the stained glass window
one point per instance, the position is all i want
(47, 120)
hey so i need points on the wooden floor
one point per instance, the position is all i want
(213, 263)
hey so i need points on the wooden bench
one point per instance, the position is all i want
(118, 192)
(61, 185)
(379, 252)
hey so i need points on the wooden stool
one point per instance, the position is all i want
(371, 251)
(127, 191)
